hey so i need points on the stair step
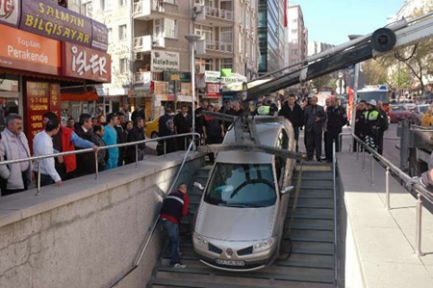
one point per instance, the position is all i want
(311, 235)
(314, 203)
(314, 213)
(308, 260)
(319, 184)
(315, 224)
(314, 175)
(304, 247)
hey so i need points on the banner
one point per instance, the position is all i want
(86, 63)
(26, 51)
(164, 61)
(99, 36)
(38, 103)
(10, 11)
(213, 90)
(216, 77)
(46, 18)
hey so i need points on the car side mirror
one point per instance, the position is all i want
(287, 189)
(198, 186)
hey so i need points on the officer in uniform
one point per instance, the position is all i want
(374, 125)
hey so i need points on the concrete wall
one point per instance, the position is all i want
(85, 233)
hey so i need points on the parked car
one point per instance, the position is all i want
(398, 113)
(240, 221)
(152, 128)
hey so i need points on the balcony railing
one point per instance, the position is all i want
(219, 13)
(219, 46)
(146, 7)
(147, 42)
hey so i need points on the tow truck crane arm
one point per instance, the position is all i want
(383, 40)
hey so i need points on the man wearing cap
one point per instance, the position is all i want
(373, 124)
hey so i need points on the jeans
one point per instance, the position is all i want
(314, 144)
(174, 240)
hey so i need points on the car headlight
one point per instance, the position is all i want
(263, 245)
(200, 240)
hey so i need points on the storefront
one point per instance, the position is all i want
(43, 48)
(211, 83)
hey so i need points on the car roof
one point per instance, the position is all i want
(268, 135)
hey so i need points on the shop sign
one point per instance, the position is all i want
(164, 61)
(99, 36)
(46, 18)
(38, 103)
(10, 12)
(26, 51)
(86, 63)
(160, 89)
(215, 77)
(185, 89)
(213, 90)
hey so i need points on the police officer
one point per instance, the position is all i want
(373, 125)
(359, 122)
(336, 119)
(384, 126)
(174, 207)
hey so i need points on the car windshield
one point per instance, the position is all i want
(242, 185)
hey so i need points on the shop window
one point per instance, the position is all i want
(122, 32)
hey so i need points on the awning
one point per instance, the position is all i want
(75, 97)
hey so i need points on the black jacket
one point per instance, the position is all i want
(310, 115)
(85, 161)
(336, 119)
(163, 129)
(183, 124)
(135, 134)
(295, 116)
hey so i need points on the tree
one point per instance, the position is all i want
(375, 73)
(401, 79)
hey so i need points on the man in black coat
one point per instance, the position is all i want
(85, 161)
(314, 120)
(183, 124)
(293, 112)
(136, 134)
(336, 119)
(122, 137)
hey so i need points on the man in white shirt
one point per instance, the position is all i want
(43, 145)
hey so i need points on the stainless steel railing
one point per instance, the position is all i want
(421, 192)
(334, 183)
(95, 151)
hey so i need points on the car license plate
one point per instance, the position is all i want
(230, 262)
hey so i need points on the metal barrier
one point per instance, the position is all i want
(421, 192)
(334, 183)
(38, 159)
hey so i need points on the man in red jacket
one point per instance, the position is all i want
(174, 207)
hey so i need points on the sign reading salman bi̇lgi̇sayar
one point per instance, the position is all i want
(46, 18)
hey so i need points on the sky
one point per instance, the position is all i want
(331, 21)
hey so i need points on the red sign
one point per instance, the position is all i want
(26, 51)
(213, 90)
(38, 103)
(86, 63)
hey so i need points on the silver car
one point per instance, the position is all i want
(240, 221)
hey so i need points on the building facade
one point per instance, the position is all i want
(272, 39)
(315, 47)
(151, 56)
(297, 35)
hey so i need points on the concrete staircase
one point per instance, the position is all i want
(310, 265)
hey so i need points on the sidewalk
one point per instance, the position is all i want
(384, 240)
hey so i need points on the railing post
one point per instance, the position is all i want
(372, 169)
(184, 142)
(38, 180)
(363, 159)
(418, 226)
(387, 202)
(136, 155)
(357, 149)
(165, 147)
(96, 165)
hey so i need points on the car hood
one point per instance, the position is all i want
(235, 224)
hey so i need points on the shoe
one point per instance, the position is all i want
(179, 266)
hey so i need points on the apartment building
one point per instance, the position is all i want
(272, 39)
(315, 47)
(151, 56)
(297, 35)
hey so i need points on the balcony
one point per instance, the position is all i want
(146, 43)
(145, 9)
(216, 16)
(218, 46)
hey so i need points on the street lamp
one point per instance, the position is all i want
(192, 39)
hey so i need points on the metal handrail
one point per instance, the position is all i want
(140, 254)
(334, 182)
(88, 150)
(420, 190)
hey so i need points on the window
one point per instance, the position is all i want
(123, 65)
(102, 5)
(172, 2)
(122, 32)
(208, 64)
(226, 63)
(110, 35)
(122, 3)
(242, 185)
(87, 9)
(170, 28)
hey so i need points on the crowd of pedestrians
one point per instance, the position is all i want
(87, 132)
